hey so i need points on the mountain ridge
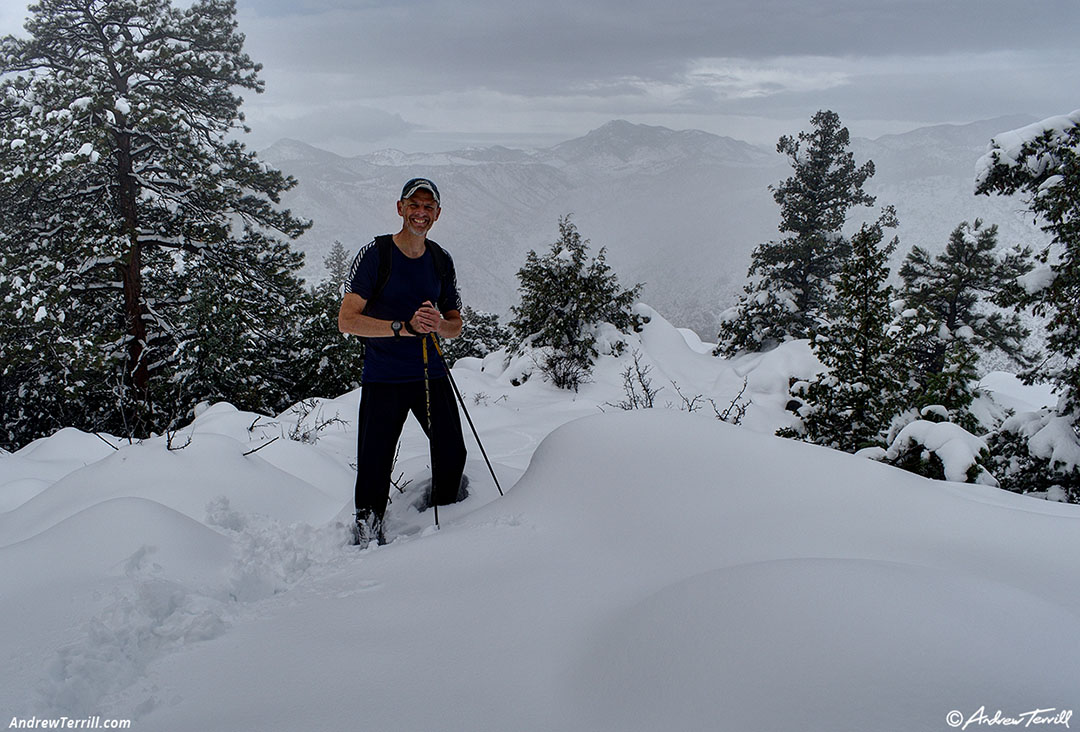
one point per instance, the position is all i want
(678, 210)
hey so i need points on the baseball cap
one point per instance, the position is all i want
(416, 184)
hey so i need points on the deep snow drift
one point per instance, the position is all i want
(647, 569)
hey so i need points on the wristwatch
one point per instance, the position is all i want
(396, 326)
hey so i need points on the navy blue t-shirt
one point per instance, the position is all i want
(411, 283)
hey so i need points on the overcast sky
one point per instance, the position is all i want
(357, 75)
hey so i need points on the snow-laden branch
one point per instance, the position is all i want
(1012, 149)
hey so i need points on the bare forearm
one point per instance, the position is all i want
(427, 319)
(450, 327)
(364, 325)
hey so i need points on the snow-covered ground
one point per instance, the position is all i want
(651, 569)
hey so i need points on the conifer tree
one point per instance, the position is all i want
(849, 406)
(147, 235)
(325, 362)
(958, 286)
(791, 285)
(1047, 168)
(337, 263)
(565, 297)
(1043, 162)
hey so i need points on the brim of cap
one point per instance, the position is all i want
(409, 193)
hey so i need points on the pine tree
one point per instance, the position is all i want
(849, 406)
(958, 286)
(1043, 162)
(791, 279)
(325, 362)
(565, 297)
(1047, 168)
(337, 263)
(146, 235)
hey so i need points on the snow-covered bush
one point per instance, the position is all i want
(569, 306)
(1037, 453)
(941, 450)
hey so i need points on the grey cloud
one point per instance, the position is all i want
(540, 48)
(331, 124)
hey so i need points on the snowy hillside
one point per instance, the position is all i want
(654, 569)
(680, 211)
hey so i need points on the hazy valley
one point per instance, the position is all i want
(680, 211)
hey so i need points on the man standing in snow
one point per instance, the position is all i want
(400, 292)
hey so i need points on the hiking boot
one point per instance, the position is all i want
(368, 528)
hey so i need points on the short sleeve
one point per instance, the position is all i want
(364, 271)
(450, 297)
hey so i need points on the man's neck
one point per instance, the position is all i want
(410, 245)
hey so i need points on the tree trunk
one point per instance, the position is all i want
(131, 265)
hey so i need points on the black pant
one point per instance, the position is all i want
(383, 409)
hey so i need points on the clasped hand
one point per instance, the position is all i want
(426, 319)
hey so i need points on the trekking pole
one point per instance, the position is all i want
(446, 367)
(431, 432)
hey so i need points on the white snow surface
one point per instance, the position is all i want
(653, 569)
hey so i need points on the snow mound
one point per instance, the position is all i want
(88, 544)
(185, 480)
(873, 636)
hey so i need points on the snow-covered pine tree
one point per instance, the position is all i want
(135, 204)
(325, 361)
(565, 299)
(481, 334)
(849, 406)
(337, 263)
(1043, 162)
(791, 279)
(955, 291)
(960, 286)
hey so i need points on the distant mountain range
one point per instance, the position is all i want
(680, 211)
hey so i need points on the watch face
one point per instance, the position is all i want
(396, 327)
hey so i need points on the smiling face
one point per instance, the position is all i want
(419, 212)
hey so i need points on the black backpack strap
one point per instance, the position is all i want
(438, 258)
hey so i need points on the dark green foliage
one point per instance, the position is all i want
(914, 457)
(565, 296)
(326, 362)
(1046, 168)
(956, 286)
(849, 406)
(791, 287)
(1020, 470)
(949, 318)
(481, 334)
(145, 259)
